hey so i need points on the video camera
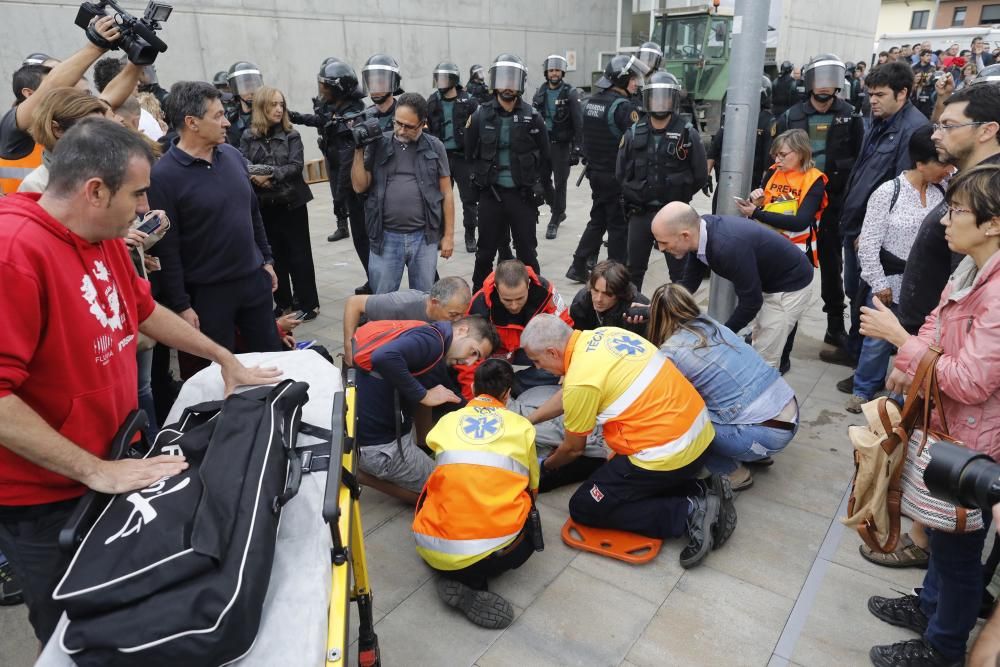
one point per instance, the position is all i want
(138, 40)
(366, 132)
(963, 476)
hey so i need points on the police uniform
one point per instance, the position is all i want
(784, 94)
(506, 150)
(564, 122)
(656, 167)
(606, 117)
(446, 120)
(479, 91)
(384, 118)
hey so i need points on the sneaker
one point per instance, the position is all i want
(911, 653)
(485, 609)
(838, 356)
(577, 274)
(846, 386)
(723, 529)
(903, 612)
(704, 514)
(741, 479)
(854, 404)
(10, 586)
(470, 242)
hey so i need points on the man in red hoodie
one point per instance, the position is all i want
(73, 307)
(509, 298)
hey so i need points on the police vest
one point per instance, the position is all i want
(562, 121)
(783, 92)
(601, 135)
(462, 109)
(840, 151)
(384, 119)
(477, 499)
(479, 91)
(12, 172)
(796, 184)
(659, 172)
(525, 157)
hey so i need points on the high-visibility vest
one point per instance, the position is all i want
(12, 172)
(784, 193)
(648, 410)
(478, 497)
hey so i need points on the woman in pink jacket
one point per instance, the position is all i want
(966, 326)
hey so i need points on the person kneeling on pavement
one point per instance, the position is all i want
(753, 410)
(476, 517)
(407, 371)
(654, 421)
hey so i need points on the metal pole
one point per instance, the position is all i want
(618, 32)
(746, 66)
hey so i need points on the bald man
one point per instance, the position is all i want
(772, 277)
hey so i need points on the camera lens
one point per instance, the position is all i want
(963, 476)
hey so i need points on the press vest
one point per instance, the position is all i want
(478, 497)
(659, 172)
(648, 410)
(524, 154)
(601, 135)
(796, 184)
(12, 172)
(562, 120)
(462, 108)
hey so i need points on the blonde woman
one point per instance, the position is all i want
(58, 111)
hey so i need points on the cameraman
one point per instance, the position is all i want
(410, 211)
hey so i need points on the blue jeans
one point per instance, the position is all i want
(736, 443)
(144, 360)
(410, 250)
(953, 589)
(852, 281)
(872, 363)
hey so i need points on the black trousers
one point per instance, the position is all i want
(830, 250)
(461, 175)
(623, 496)
(477, 575)
(640, 239)
(359, 233)
(555, 174)
(572, 473)
(606, 216)
(31, 544)
(513, 215)
(288, 233)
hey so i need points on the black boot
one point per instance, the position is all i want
(553, 228)
(343, 231)
(470, 240)
(577, 273)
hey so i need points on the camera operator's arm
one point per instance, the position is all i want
(122, 86)
(361, 178)
(986, 651)
(68, 72)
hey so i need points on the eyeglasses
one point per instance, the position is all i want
(946, 128)
(784, 154)
(952, 210)
(404, 126)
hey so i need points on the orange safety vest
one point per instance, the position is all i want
(796, 184)
(12, 172)
(477, 499)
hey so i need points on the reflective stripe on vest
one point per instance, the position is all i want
(676, 445)
(490, 459)
(635, 390)
(12, 172)
(461, 547)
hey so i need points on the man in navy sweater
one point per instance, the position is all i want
(389, 458)
(772, 277)
(216, 262)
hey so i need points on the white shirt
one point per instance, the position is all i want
(149, 126)
(703, 243)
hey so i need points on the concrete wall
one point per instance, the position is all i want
(845, 27)
(288, 39)
(896, 15)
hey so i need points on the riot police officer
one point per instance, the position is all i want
(221, 82)
(382, 80)
(783, 89)
(559, 104)
(244, 79)
(606, 117)
(448, 110)
(476, 86)
(836, 134)
(507, 142)
(661, 160)
(651, 55)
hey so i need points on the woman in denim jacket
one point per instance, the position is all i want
(752, 408)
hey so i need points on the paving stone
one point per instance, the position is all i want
(804, 477)
(395, 568)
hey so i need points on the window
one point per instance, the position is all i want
(919, 19)
(958, 19)
(991, 14)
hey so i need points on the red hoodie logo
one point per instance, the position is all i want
(100, 308)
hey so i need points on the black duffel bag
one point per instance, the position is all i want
(177, 573)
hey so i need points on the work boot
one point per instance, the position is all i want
(483, 608)
(576, 273)
(911, 653)
(363, 289)
(703, 515)
(838, 356)
(553, 228)
(470, 240)
(10, 586)
(343, 231)
(903, 612)
(835, 337)
(723, 529)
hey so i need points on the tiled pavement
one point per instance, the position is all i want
(789, 588)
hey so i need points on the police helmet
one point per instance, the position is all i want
(824, 71)
(849, 69)
(765, 92)
(508, 73)
(989, 74)
(244, 78)
(381, 76)
(555, 61)
(221, 79)
(446, 76)
(476, 73)
(661, 94)
(620, 70)
(339, 76)
(786, 67)
(651, 55)
(36, 59)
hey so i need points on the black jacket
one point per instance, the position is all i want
(529, 144)
(334, 122)
(585, 318)
(464, 106)
(283, 152)
(567, 125)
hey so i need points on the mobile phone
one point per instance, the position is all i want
(299, 315)
(741, 200)
(150, 225)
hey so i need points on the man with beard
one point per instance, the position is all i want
(409, 210)
(559, 104)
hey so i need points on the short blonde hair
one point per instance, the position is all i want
(152, 106)
(62, 107)
(798, 142)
